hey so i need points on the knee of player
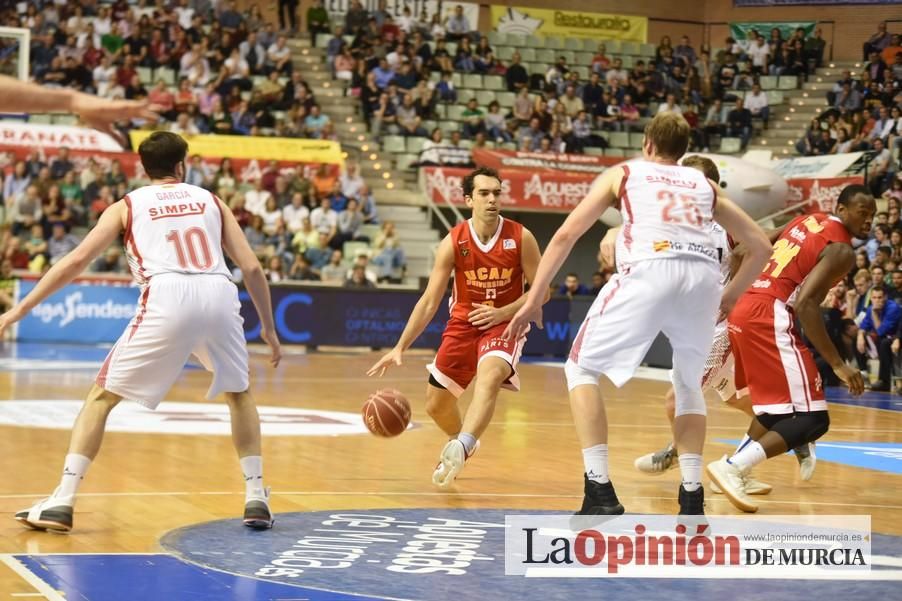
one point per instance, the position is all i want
(579, 376)
(493, 373)
(102, 397)
(237, 398)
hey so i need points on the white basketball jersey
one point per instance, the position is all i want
(174, 228)
(723, 244)
(667, 212)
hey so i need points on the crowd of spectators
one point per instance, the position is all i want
(401, 70)
(865, 112)
(216, 71)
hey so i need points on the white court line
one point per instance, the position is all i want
(44, 589)
(344, 493)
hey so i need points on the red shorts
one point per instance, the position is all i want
(772, 362)
(464, 347)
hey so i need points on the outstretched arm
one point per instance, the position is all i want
(100, 113)
(587, 212)
(424, 310)
(107, 231)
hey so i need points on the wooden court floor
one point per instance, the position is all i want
(143, 485)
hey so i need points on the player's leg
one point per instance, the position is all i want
(664, 459)
(223, 351)
(441, 406)
(55, 512)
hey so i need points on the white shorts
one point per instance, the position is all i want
(719, 365)
(679, 297)
(179, 315)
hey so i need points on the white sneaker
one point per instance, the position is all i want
(732, 482)
(752, 487)
(53, 514)
(257, 514)
(451, 461)
(656, 464)
(807, 460)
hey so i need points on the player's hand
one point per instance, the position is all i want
(392, 357)
(851, 377)
(8, 319)
(606, 248)
(519, 324)
(485, 316)
(101, 113)
(895, 346)
(275, 347)
(727, 302)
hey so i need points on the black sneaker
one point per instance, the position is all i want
(51, 514)
(599, 499)
(692, 503)
(257, 514)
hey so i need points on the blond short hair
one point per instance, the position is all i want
(669, 134)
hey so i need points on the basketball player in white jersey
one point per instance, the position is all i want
(175, 235)
(670, 283)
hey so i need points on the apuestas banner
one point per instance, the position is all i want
(502, 160)
(33, 135)
(831, 165)
(396, 7)
(521, 189)
(341, 317)
(571, 24)
(79, 313)
(748, 3)
(296, 150)
(821, 193)
(246, 170)
(740, 31)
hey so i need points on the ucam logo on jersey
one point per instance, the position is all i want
(79, 313)
(183, 418)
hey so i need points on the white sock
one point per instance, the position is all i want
(469, 442)
(74, 470)
(691, 469)
(745, 440)
(252, 468)
(748, 457)
(595, 460)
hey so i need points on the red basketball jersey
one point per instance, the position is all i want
(796, 253)
(489, 274)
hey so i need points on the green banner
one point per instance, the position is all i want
(740, 31)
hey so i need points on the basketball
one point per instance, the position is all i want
(386, 413)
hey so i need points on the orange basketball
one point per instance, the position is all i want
(386, 412)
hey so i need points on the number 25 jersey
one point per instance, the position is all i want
(796, 253)
(174, 228)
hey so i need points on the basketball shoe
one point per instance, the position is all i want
(752, 487)
(257, 514)
(451, 461)
(599, 498)
(730, 479)
(656, 464)
(807, 460)
(53, 514)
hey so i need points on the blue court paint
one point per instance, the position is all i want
(355, 560)
(880, 456)
(159, 578)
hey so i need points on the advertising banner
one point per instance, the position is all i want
(521, 190)
(294, 150)
(740, 31)
(79, 313)
(831, 165)
(341, 317)
(32, 135)
(752, 3)
(396, 7)
(821, 193)
(569, 24)
(502, 160)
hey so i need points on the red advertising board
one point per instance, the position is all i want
(821, 193)
(505, 160)
(521, 190)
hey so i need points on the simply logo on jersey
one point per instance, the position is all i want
(183, 418)
(79, 313)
